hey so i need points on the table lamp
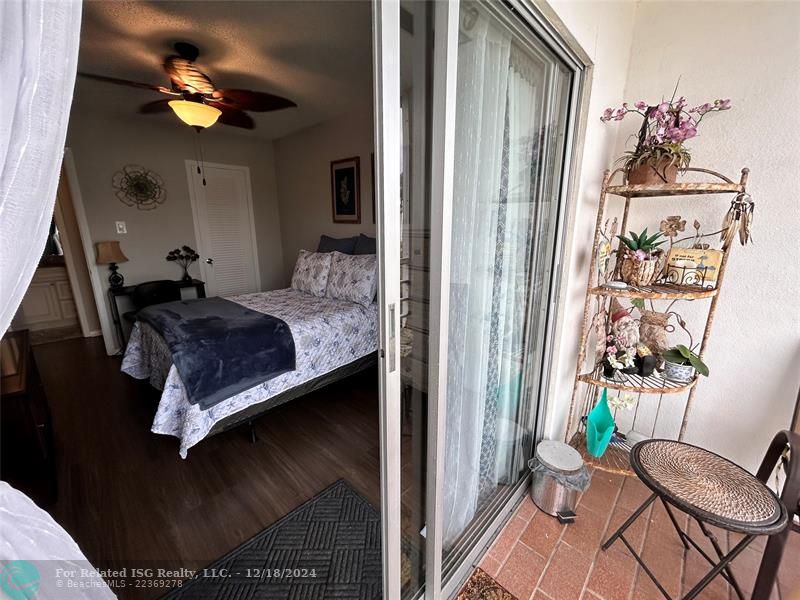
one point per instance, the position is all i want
(109, 253)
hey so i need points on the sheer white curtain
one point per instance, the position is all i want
(523, 133)
(483, 60)
(38, 59)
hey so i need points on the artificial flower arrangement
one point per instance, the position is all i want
(618, 357)
(660, 152)
(184, 256)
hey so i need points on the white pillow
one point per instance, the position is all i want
(353, 277)
(311, 272)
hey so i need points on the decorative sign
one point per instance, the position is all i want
(140, 187)
(693, 266)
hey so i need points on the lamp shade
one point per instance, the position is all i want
(195, 114)
(110, 252)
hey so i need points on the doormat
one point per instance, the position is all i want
(329, 547)
(480, 586)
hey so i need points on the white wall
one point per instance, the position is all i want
(752, 55)
(605, 32)
(303, 166)
(101, 147)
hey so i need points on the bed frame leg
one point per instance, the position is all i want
(252, 427)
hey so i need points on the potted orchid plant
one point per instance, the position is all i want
(660, 152)
(681, 363)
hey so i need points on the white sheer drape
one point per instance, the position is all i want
(38, 59)
(500, 121)
(481, 113)
(523, 129)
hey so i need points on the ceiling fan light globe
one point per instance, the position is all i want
(195, 114)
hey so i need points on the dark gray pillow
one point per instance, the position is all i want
(365, 245)
(343, 245)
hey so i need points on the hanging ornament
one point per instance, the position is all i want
(739, 217)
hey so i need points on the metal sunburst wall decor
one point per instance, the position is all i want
(140, 187)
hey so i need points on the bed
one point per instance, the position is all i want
(333, 338)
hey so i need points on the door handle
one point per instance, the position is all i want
(209, 261)
(392, 337)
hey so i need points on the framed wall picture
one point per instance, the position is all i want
(346, 190)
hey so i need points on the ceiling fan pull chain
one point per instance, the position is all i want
(199, 146)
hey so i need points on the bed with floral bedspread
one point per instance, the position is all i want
(328, 334)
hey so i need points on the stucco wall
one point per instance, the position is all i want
(752, 55)
(605, 32)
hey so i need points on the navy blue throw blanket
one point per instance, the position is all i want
(221, 348)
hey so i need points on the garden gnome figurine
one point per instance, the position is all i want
(624, 327)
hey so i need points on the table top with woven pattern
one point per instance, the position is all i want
(708, 486)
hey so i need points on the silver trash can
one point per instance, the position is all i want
(558, 476)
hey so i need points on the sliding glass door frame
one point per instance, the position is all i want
(445, 71)
(388, 142)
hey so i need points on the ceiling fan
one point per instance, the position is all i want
(195, 99)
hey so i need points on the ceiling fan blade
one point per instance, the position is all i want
(249, 100)
(235, 117)
(136, 84)
(157, 106)
(185, 75)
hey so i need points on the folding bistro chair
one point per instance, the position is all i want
(714, 491)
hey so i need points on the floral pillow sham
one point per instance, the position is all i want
(353, 278)
(311, 273)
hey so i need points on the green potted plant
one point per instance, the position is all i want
(641, 258)
(681, 363)
(660, 152)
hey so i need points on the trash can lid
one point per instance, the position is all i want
(559, 456)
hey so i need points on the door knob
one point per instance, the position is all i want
(209, 261)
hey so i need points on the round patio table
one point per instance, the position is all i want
(711, 490)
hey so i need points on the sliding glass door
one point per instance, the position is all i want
(479, 104)
(512, 101)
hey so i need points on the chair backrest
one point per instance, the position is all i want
(790, 496)
(155, 292)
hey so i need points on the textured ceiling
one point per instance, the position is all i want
(317, 53)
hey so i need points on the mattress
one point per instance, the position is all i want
(328, 334)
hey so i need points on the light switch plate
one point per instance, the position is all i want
(121, 228)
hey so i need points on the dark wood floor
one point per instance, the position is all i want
(126, 496)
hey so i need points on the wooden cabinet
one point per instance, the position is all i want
(27, 458)
(48, 303)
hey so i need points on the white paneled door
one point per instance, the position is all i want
(222, 206)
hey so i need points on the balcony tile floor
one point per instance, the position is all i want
(535, 557)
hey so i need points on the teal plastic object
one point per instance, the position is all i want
(599, 427)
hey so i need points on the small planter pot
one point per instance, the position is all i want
(679, 373)
(653, 174)
(640, 272)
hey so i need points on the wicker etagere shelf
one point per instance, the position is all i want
(589, 378)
